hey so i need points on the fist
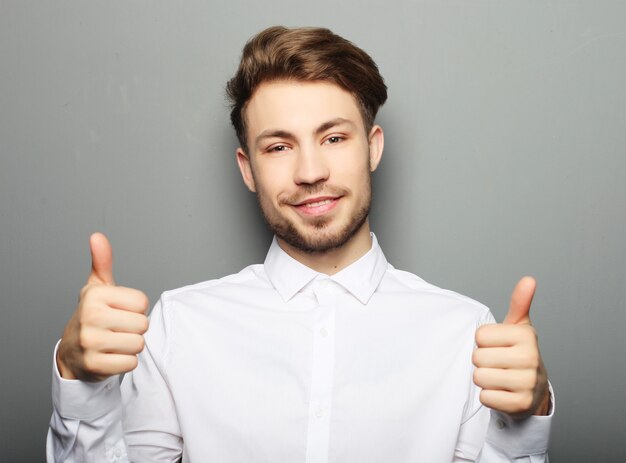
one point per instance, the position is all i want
(105, 333)
(509, 368)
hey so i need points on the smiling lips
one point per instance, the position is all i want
(317, 206)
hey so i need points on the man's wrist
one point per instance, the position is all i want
(64, 371)
(543, 409)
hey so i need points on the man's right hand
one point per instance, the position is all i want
(105, 334)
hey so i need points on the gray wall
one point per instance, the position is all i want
(506, 136)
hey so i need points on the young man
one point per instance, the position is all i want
(325, 353)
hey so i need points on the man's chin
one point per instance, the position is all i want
(315, 241)
(315, 247)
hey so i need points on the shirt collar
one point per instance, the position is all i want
(361, 278)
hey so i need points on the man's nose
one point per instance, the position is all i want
(312, 166)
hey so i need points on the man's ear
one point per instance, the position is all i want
(376, 143)
(243, 161)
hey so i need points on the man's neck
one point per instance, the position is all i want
(333, 260)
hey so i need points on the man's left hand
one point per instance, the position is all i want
(509, 368)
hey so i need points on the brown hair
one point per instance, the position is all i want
(304, 54)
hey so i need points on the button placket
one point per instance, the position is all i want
(322, 375)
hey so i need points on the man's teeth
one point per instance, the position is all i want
(319, 203)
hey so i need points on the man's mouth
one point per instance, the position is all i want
(317, 206)
(318, 203)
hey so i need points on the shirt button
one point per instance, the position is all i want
(500, 424)
(117, 452)
(323, 332)
(319, 413)
(108, 386)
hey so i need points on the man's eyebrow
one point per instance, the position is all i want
(270, 133)
(332, 123)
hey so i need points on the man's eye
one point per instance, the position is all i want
(277, 148)
(335, 139)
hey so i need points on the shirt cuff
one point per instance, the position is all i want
(83, 400)
(521, 437)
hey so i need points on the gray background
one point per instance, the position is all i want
(505, 129)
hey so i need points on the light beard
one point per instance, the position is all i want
(319, 241)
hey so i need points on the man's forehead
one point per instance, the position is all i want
(299, 105)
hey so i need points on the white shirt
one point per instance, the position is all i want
(280, 363)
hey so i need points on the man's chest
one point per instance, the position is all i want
(321, 381)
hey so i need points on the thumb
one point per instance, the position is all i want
(521, 299)
(101, 260)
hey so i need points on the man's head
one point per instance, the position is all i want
(303, 106)
(305, 55)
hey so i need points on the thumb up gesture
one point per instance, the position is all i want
(105, 334)
(509, 368)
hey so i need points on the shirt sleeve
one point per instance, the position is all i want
(117, 420)
(86, 420)
(518, 440)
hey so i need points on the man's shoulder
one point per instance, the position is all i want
(401, 281)
(249, 277)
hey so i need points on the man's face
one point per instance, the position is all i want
(309, 162)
